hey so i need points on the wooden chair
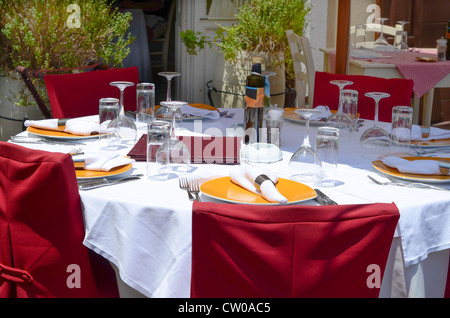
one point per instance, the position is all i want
(42, 230)
(371, 30)
(290, 251)
(304, 69)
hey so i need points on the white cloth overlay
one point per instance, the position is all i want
(416, 166)
(78, 126)
(104, 162)
(195, 111)
(245, 177)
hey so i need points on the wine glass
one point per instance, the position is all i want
(381, 41)
(169, 76)
(375, 140)
(164, 112)
(174, 153)
(305, 163)
(127, 127)
(340, 119)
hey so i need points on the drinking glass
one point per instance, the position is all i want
(108, 118)
(174, 151)
(381, 41)
(402, 118)
(145, 98)
(305, 163)
(127, 127)
(360, 31)
(158, 132)
(350, 106)
(340, 119)
(375, 140)
(401, 41)
(327, 147)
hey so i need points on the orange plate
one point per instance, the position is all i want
(225, 190)
(92, 174)
(291, 115)
(380, 166)
(61, 134)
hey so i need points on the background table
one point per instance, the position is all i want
(431, 75)
(144, 227)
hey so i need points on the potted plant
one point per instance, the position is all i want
(260, 30)
(54, 34)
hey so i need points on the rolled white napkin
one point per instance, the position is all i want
(82, 127)
(324, 113)
(435, 133)
(100, 161)
(427, 167)
(195, 111)
(245, 176)
(50, 124)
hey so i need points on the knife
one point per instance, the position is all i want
(38, 140)
(323, 199)
(97, 183)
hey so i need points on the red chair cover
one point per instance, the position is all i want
(76, 95)
(401, 91)
(42, 231)
(289, 251)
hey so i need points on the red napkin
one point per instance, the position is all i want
(211, 149)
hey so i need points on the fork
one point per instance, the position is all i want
(195, 188)
(184, 184)
(416, 185)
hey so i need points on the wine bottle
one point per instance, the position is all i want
(447, 53)
(254, 99)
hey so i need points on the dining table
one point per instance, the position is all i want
(143, 227)
(418, 64)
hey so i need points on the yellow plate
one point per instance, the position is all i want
(225, 190)
(380, 166)
(61, 134)
(92, 174)
(431, 143)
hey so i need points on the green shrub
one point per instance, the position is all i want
(53, 34)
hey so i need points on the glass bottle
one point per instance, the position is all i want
(254, 99)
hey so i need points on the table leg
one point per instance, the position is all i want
(427, 107)
(416, 110)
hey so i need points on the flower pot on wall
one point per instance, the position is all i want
(230, 77)
(11, 115)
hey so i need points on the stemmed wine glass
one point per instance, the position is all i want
(163, 111)
(381, 41)
(174, 154)
(375, 140)
(127, 128)
(340, 119)
(305, 163)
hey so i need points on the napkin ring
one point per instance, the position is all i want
(260, 179)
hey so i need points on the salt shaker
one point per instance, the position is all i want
(441, 49)
(274, 122)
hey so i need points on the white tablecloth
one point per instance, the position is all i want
(144, 227)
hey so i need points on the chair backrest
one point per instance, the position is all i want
(401, 91)
(76, 95)
(369, 32)
(42, 231)
(303, 67)
(290, 251)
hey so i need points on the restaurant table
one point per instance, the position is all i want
(144, 227)
(426, 75)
